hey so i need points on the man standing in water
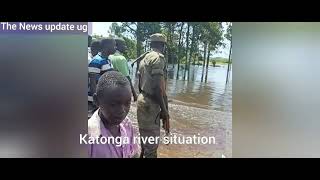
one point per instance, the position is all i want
(152, 101)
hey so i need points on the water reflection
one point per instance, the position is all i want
(213, 94)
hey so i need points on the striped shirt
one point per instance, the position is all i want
(98, 65)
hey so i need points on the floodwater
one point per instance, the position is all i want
(203, 109)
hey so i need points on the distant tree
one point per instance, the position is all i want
(97, 37)
(141, 31)
(116, 29)
(228, 35)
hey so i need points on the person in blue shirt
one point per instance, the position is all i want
(99, 65)
(94, 50)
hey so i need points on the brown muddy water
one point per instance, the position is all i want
(197, 108)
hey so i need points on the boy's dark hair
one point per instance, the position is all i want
(96, 45)
(120, 41)
(105, 42)
(111, 79)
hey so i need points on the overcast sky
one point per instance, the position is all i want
(102, 28)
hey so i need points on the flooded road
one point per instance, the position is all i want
(198, 108)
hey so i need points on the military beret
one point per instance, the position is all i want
(157, 37)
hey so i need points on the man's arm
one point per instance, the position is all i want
(158, 73)
(135, 97)
(158, 84)
(93, 82)
(162, 101)
(158, 81)
(139, 83)
(94, 70)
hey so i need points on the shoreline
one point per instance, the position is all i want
(187, 121)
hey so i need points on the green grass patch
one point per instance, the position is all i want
(218, 60)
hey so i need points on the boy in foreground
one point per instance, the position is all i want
(113, 98)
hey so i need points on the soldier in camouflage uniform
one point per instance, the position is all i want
(152, 102)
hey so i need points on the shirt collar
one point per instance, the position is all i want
(97, 128)
(156, 50)
(117, 52)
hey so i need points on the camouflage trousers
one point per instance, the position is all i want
(149, 124)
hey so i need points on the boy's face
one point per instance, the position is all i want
(109, 48)
(94, 51)
(115, 104)
(159, 45)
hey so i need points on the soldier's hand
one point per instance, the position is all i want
(135, 97)
(164, 115)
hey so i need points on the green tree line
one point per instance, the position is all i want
(188, 43)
